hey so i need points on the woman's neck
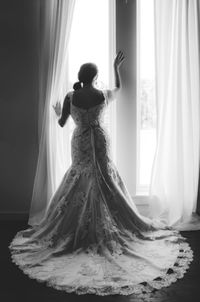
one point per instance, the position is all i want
(89, 85)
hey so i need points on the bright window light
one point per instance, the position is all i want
(91, 40)
(146, 134)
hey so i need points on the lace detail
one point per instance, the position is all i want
(92, 239)
(104, 279)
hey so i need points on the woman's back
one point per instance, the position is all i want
(87, 97)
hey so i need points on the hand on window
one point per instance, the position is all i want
(119, 59)
(57, 109)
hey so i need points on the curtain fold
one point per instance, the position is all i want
(55, 24)
(175, 172)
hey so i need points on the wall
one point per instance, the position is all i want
(126, 102)
(18, 102)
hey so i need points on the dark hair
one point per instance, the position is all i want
(77, 86)
(86, 74)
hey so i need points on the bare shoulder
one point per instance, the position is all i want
(99, 93)
(111, 94)
(69, 94)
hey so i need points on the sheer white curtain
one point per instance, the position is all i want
(56, 19)
(174, 182)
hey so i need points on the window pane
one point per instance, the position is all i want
(146, 93)
(90, 42)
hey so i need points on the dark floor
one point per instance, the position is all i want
(15, 286)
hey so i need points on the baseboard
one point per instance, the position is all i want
(13, 216)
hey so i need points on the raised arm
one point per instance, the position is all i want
(111, 93)
(117, 63)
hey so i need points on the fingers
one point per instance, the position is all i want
(120, 54)
(120, 57)
(57, 106)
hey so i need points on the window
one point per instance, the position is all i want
(146, 112)
(92, 39)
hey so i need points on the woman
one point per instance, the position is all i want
(92, 238)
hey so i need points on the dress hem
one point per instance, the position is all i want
(142, 290)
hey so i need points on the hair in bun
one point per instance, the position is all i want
(77, 86)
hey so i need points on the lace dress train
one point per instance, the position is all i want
(92, 238)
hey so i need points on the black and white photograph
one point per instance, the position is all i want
(99, 150)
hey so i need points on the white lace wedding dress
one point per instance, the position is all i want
(93, 239)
